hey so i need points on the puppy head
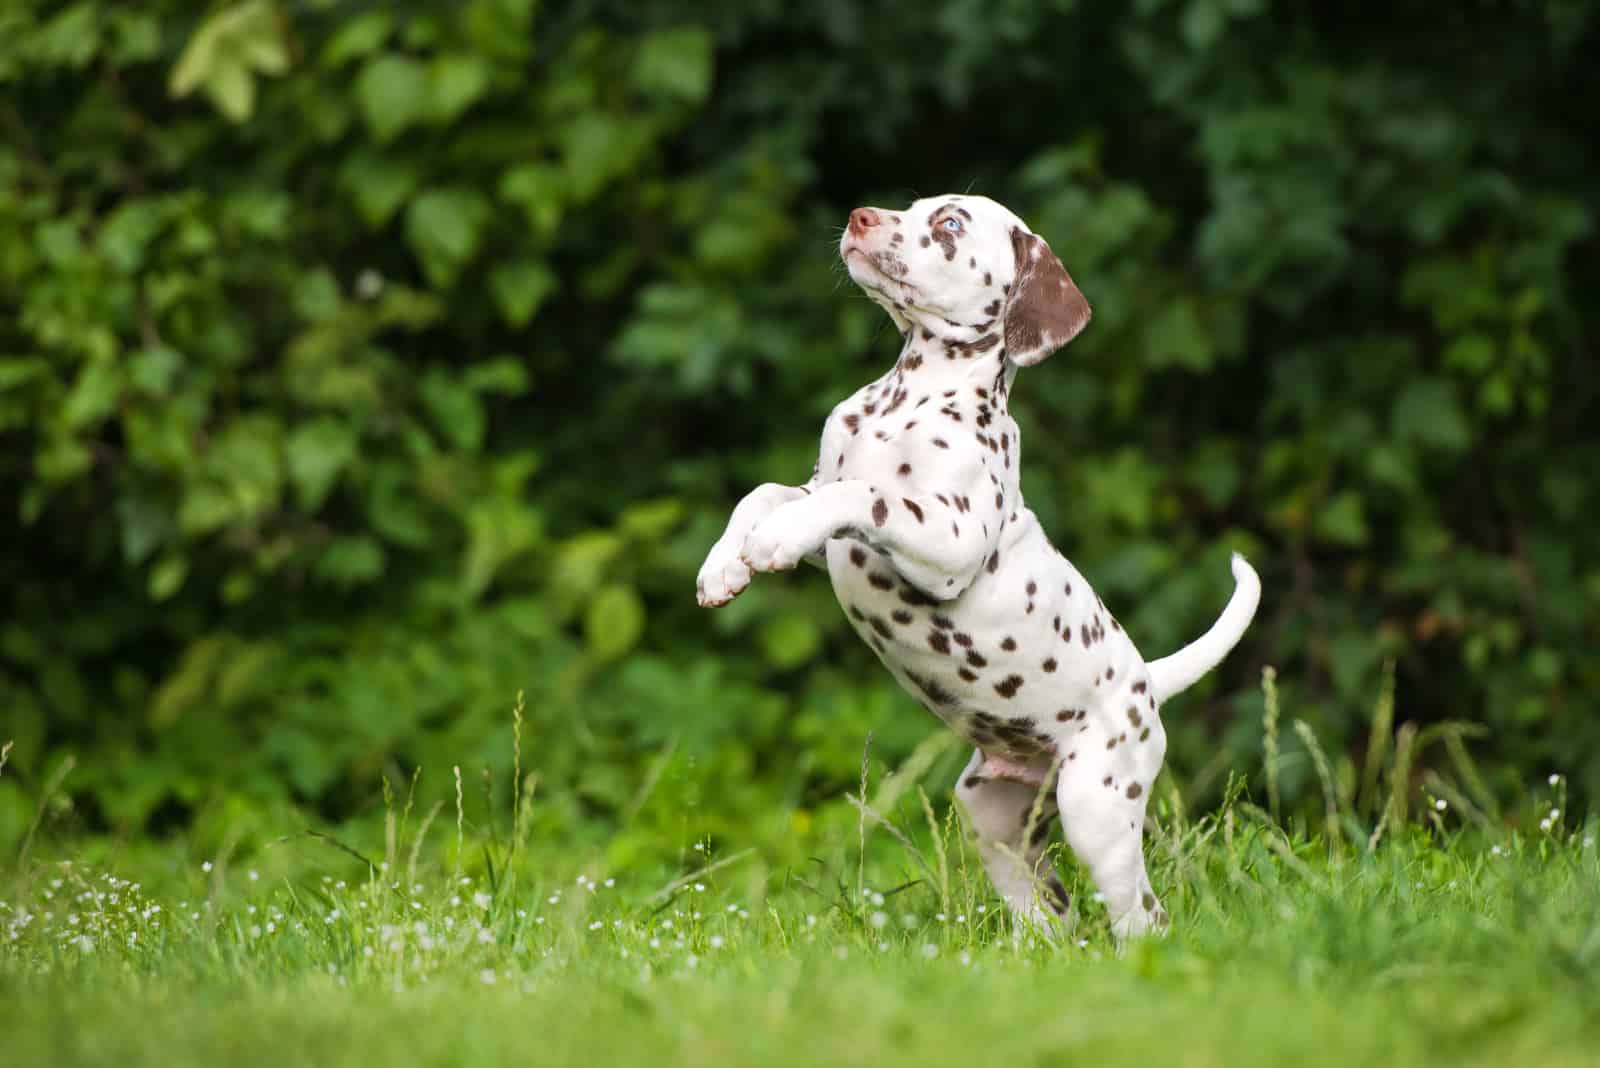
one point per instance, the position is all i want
(961, 267)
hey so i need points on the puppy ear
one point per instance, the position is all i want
(1045, 310)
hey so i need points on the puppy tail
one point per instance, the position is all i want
(1176, 673)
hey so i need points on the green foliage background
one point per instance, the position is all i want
(363, 364)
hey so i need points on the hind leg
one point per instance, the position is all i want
(1103, 816)
(1011, 841)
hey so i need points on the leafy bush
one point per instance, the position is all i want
(370, 364)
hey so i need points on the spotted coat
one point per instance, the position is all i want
(916, 511)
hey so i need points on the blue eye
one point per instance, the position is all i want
(952, 224)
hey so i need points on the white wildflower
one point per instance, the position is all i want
(369, 283)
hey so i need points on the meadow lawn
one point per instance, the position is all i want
(1449, 940)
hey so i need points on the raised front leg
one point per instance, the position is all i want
(724, 575)
(936, 541)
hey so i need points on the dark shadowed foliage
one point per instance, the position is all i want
(363, 364)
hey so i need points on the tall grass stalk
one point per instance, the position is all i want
(1330, 800)
(461, 839)
(1269, 739)
(516, 789)
(1378, 739)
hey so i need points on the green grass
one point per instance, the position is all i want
(1441, 943)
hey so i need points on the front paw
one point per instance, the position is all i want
(777, 544)
(722, 578)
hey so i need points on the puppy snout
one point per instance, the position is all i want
(862, 220)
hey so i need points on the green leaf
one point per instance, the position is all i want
(205, 507)
(393, 93)
(457, 81)
(232, 88)
(790, 640)
(20, 370)
(504, 375)
(167, 576)
(1472, 353)
(151, 370)
(675, 64)
(258, 40)
(224, 54)
(194, 64)
(316, 294)
(443, 227)
(62, 459)
(498, 530)
(190, 681)
(146, 524)
(350, 561)
(585, 560)
(316, 453)
(379, 184)
(93, 395)
(1342, 520)
(540, 190)
(1428, 412)
(1177, 337)
(1203, 22)
(246, 457)
(598, 148)
(395, 511)
(69, 39)
(519, 287)
(614, 621)
(357, 37)
(455, 410)
(651, 520)
(128, 231)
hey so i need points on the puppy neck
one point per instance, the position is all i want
(947, 359)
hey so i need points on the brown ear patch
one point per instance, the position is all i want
(1046, 309)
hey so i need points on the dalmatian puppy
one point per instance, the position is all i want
(915, 512)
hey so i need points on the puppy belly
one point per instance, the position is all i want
(1014, 672)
